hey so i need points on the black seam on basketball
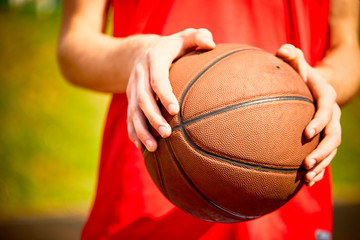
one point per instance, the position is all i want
(238, 162)
(232, 161)
(187, 178)
(204, 71)
(240, 105)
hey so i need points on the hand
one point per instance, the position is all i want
(326, 119)
(149, 80)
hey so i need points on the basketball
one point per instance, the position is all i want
(237, 145)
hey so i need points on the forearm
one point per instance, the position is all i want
(91, 59)
(97, 61)
(340, 66)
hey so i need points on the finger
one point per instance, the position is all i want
(179, 43)
(201, 38)
(131, 130)
(325, 97)
(323, 93)
(311, 174)
(132, 134)
(137, 124)
(294, 57)
(130, 127)
(316, 179)
(330, 142)
(159, 64)
(160, 61)
(147, 103)
(142, 132)
(135, 115)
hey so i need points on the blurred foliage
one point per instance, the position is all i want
(346, 165)
(50, 131)
(38, 7)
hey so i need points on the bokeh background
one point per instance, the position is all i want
(50, 135)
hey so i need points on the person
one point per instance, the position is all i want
(318, 38)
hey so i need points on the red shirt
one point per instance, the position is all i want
(128, 205)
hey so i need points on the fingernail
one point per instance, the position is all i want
(162, 131)
(148, 145)
(312, 163)
(312, 133)
(310, 184)
(173, 109)
(310, 176)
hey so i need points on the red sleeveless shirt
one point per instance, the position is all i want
(128, 205)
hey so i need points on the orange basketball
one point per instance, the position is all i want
(237, 145)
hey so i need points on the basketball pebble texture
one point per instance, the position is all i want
(237, 145)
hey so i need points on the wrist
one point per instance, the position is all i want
(325, 70)
(138, 45)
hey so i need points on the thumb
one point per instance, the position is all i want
(193, 38)
(201, 38)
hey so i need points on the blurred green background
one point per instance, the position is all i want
(50, 131)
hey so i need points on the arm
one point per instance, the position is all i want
(88, 57)
(340, 69)
(341, 64)
(136, 64)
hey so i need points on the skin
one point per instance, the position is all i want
(138, 65)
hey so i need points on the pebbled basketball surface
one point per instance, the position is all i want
(237, 145)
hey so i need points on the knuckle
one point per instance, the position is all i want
(288, 45)
(337, 143)
(135, 119)
(188, 31)
(137, 72)
(153, 54)
(150, 54)
(131, 110)
(316, 171)
(155, 85)
(159, 86)
(205, 30)
(299, 53)
(141, 99)
(202, 31)
(137, 67)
